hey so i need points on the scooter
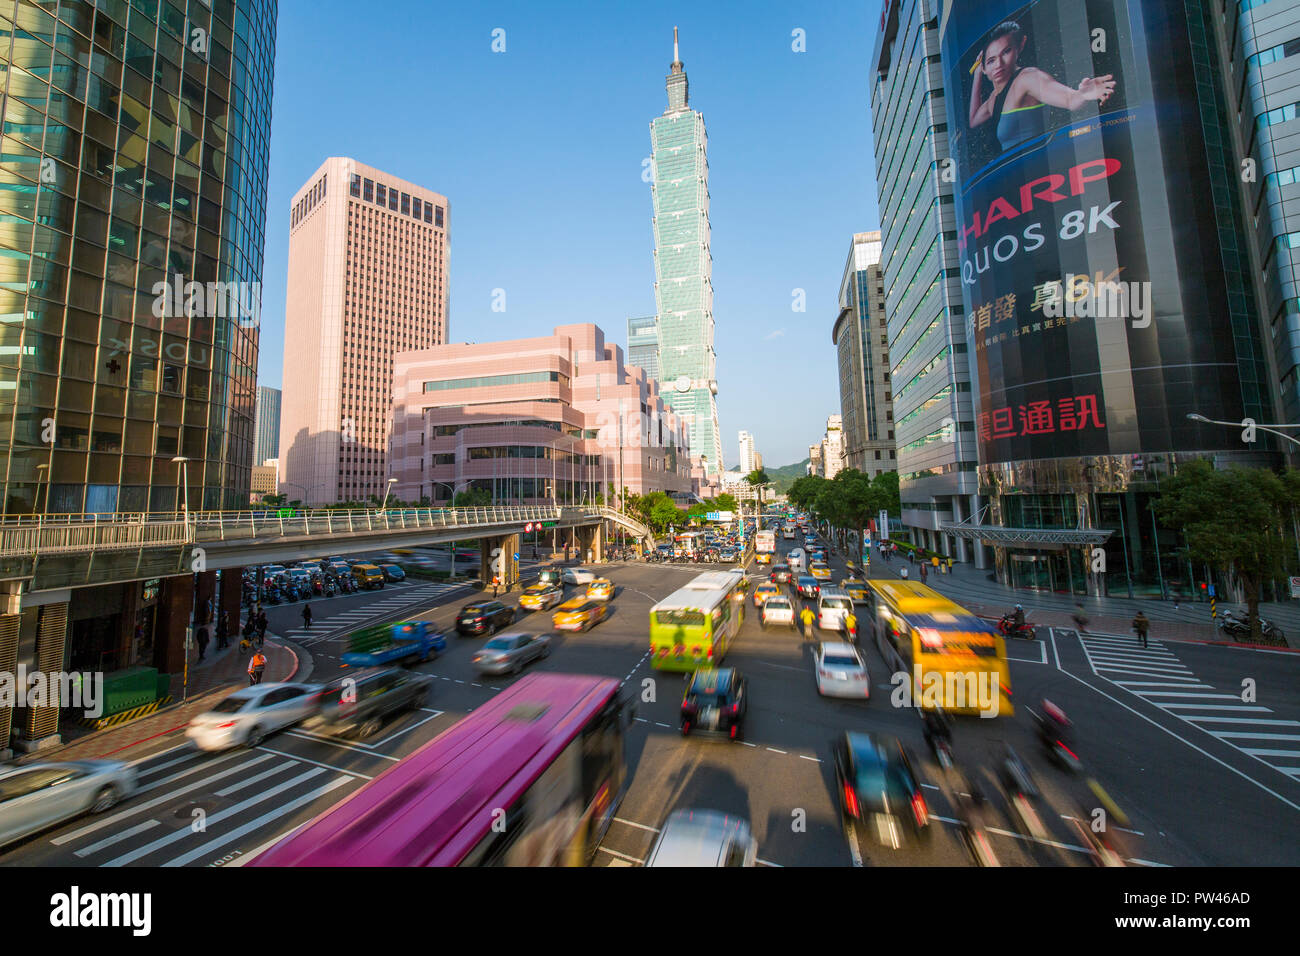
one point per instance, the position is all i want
(1021, 794)
(1007, 628)
(1236, 625)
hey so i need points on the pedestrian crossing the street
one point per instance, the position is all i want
(328, 627)
(229, 797)
(1157, 676)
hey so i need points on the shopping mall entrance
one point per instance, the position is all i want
(1063, 572)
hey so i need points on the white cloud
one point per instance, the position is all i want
(774, 335)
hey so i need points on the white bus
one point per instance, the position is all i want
(765, 542)
(788, 532)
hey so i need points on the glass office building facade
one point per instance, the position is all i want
(684, 268)
(136, 137)
(643, 345)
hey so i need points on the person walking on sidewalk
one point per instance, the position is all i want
(306, 616)
(223, 633)
(203, 641)
(902, 573)
(255, 668)
(261, 628)
(924, 572)
(1141, 625)
(1080, 618)
(247, 642)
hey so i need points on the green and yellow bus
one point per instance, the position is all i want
(954, 659)
(693, 626)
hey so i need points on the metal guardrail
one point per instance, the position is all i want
(23, 535)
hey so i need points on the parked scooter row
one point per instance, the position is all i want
(287, 592)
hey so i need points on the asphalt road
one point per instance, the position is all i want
(1204, 777)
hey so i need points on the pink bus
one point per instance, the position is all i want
(531, 778)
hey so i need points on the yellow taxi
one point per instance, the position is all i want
(820, 571)
(601, 589)
(763, 557)
(765, 591)
(578, 614)
(855, 589)
(539, 597)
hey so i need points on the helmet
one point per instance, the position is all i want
(1019, 608)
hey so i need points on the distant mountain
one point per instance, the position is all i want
(783, 477)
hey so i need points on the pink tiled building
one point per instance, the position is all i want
(367, 279)
(531, 421)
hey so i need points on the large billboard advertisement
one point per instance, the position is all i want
(1096, 306)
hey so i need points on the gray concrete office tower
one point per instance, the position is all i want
(1259, 53)
(861, 339)
(684, 266)
(268, 424)
(933, 417)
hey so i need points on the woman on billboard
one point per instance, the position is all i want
(1015, 102)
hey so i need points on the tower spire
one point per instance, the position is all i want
(677, 89)
(677, 57)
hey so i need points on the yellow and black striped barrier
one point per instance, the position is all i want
(1214, 614)
(99, 723)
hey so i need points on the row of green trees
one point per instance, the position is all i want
(849, 500)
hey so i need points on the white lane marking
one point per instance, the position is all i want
(117, 838)
(406, 730)
(253, 825)
(1160, 683)
(148, 848)
(1270, 753)
(659, 724)
(1242, 708)
(207, 764)
(1181, 693)
(748, 744)
(813, 759)
(334, 742)
(190, 754)
(245, 858)
(257, 778)
(1254, 721)
(1256, 736)
(317, 763)
(639, 826)
(157, 801)
(775, 751)
(622, 856)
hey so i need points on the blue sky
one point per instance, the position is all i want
(539, 150)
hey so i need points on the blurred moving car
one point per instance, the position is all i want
(508, 653)
(484, 617)
(601, 589)
(820, 571)
(39, 795)
(763, 558)
(781, 574)
(704, 838)
(766, 591)
(808, 586)
(392, 572)
(360, 703)
(249, 715)
(578, 614)
(877, 786)
(578, 576)
(841, 671)
(855, 588)
(539, 597)
(777, 610)
(716, 701)
(833, 605)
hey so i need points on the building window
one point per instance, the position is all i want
(368, 190)
(522, 378)
(381, 193)
(437, 216)
(406, 204)
(428, 214)
(392, 199)
(355, 187)
(415, 207)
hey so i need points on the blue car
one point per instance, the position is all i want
(392, 572)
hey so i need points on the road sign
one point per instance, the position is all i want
(516, 555)
(528, 527)
(1295, 587)
(883, 525)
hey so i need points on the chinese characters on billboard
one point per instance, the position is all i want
(1096, 307)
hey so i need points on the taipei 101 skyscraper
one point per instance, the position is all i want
(684, 266)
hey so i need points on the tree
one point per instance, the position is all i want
(664, 513)
(887, 482)
(725, 502)
(1233, 520)
(472, 498)
(803, 491)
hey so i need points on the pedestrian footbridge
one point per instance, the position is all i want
(57, 551)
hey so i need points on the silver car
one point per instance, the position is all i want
(508, 653)
(578, 576)
(704, 838)
(39, 795)
(247, 716)
(841, 671)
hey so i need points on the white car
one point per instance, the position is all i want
(39, 795)
(247, 716)
(578, 576)
(704, 838)
(777, 610)
(841, 671)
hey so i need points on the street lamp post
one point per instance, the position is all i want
(387, 491)
(1271, 429)
(36, 501)
(185, 481)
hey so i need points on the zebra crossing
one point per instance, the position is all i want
(234, 795)
(329, 627)
(1157, 676)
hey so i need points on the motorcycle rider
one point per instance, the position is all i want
(1053, 725)
(1018, 618)
(937, 726)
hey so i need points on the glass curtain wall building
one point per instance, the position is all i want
(643, 345)
(930, 376)
(135, 152)
(268, 425)
(684, 266)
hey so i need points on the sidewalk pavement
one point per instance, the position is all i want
(978, 591)
(209, 681)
